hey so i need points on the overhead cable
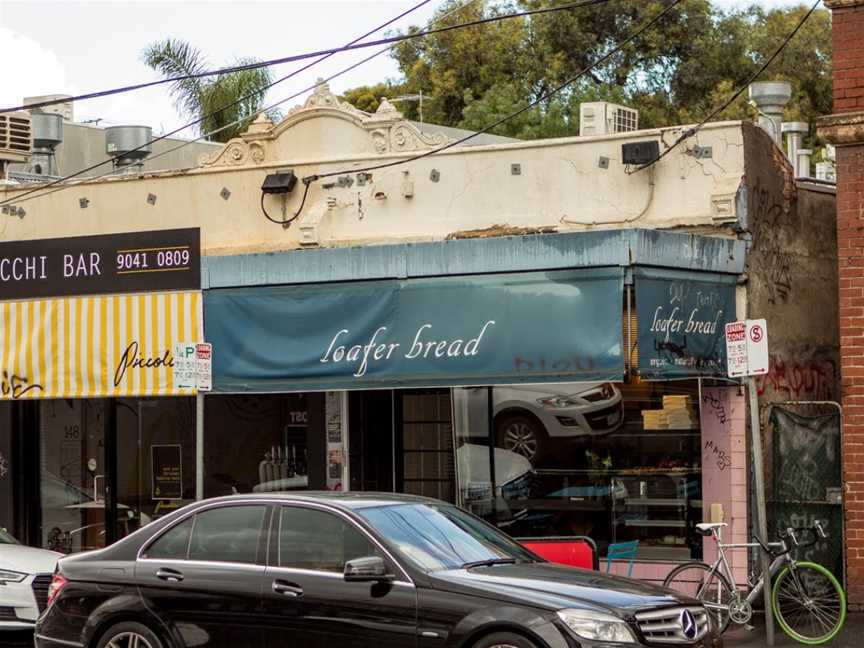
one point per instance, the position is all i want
(299, 57)
(632, 36)
(690, 132)
(63, 182)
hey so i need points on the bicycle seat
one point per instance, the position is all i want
(705, 528)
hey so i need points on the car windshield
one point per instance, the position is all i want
(6, 537)
(442, 537)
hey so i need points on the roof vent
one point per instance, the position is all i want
(47, 131)
(770, 97)
(15, 144)
(129, 145)
(604, 118)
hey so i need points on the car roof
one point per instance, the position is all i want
(350, 500)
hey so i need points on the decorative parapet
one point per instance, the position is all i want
(386, 129)
(844, 129)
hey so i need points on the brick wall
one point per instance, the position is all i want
(850, 241)
(847, 29)
(846, 129)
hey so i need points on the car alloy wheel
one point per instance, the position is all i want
(520, 437)
(128, 640)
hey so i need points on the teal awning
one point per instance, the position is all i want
(461, 330)
(682, 317)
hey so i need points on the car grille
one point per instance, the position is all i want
(598, 418)
(664, 626)
(7, 613)
(40, 590)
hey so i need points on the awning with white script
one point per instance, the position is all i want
(76, 347)
(682, 317)
(462, 330)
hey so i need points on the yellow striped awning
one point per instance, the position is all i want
(76, 347)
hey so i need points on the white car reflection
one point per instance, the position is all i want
(528, 417)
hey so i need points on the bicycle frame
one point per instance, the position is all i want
(721, 565)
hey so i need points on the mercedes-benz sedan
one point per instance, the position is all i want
(346, 570)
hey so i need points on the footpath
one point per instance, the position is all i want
(851, 636)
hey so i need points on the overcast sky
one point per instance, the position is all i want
(73, 47)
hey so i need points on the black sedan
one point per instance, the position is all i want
(346, 570)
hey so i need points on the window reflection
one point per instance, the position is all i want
(611, 461)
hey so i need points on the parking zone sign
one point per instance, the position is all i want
(746, 348)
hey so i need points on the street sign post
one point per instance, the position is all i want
(747, 356)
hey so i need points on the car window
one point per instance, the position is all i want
(227, 534)
(321, 541)
(171, 544)
(441, 536)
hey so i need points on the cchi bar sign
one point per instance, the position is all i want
(95, 265)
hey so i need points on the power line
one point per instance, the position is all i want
(64, 180)
(61, 181)
(299, 57)
(690, 132)
(66, 185)
(632, 36)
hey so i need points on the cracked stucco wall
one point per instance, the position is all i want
(568, 184)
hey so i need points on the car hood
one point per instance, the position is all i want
(558, 586)
(28, 560)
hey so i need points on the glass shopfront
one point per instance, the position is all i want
(148, 457)
(614, 462)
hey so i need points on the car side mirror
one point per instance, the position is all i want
(368, 569)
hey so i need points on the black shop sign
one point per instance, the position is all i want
(111, 263)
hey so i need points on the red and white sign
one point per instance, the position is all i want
(746, 348)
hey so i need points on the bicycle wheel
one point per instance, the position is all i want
(809, 603)
(714, 590)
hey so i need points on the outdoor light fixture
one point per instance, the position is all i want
(640, 153)
(282, 182)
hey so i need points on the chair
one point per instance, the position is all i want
(622, 551)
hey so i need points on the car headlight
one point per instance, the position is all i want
(8, 576)
(558, 402)
(597, 626)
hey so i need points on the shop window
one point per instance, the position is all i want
(228, 534)
(320, 541)
(427, 444)
(256, 444)
(173, 544)
(610, 461)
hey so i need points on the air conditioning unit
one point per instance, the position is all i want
(604, 118)
(16, 141)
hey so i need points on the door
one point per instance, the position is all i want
(807, 477)
(308, 603)
(204, 576)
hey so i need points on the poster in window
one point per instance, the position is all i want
(167, 471)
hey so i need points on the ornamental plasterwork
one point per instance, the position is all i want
(387, 130)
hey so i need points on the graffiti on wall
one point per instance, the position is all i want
(812, 380)
(774, 260)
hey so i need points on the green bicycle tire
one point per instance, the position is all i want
(782, 622)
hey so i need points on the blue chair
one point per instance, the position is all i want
(622, 551)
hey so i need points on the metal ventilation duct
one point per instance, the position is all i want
(130, 145)
(770, 97)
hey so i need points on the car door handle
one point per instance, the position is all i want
(288, 589)
(170, 575)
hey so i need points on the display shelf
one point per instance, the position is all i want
(671, 524)
(620, 472)
(658, 501)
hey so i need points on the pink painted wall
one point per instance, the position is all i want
(723, 414)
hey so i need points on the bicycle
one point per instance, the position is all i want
(808, 602)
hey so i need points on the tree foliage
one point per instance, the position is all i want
(217, 101)
(675, 73)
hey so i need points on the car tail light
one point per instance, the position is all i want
(58, 582)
